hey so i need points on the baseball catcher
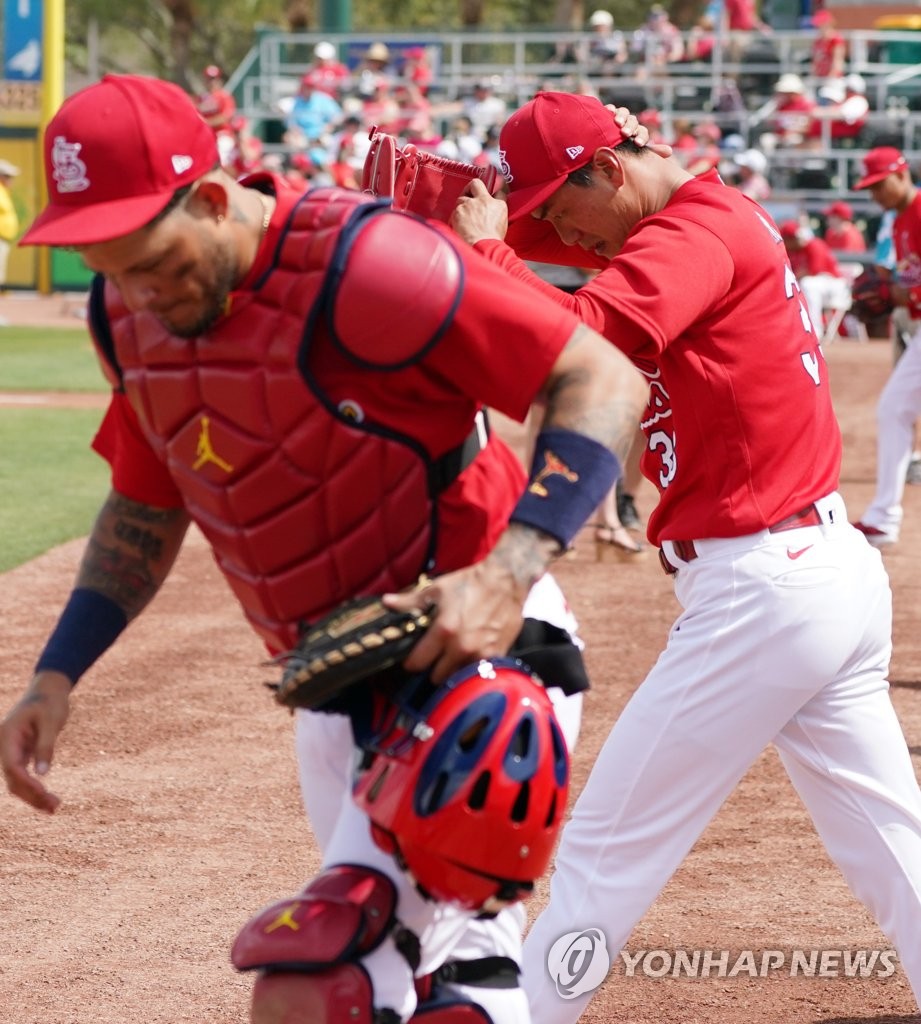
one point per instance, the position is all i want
(871, 294)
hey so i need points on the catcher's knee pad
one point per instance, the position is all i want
(308, 949)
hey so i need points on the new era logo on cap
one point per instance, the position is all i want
(574, 151)
(115, 153)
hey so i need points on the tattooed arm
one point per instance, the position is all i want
(594, 400)
(129, 554)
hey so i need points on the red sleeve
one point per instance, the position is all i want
(503, 340)
(632, 302)
(137, 473)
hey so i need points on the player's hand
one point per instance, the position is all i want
(27, 738)
(639, 133)
(478, 615)
(479, 215)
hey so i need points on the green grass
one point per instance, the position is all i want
(48, 359)
(52, 484)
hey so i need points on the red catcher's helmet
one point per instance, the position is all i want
(467, 785)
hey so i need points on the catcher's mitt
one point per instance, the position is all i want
(871, 294)
(418, 181)
(355, 641)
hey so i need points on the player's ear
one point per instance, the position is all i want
(210, 199)
(608, 163)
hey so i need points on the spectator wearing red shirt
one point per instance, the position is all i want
(788, 114)
(216, 105)
(829, 49)
(327, 73)
(739, 20)
(841, 233)
(815, 267)
(844, 108)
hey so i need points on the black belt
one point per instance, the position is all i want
(685, 550)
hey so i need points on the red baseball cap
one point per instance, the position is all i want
(115, 153)
(547, 139)
(879, 163)
(839, 209)
(822, 17)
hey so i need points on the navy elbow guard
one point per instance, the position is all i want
(87, 628)
(570, 474)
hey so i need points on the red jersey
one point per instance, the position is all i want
(823, 55)
(848, 239)
(495, 349)
(741, 15)
(740, 430)
(906, 239)
(815, 257)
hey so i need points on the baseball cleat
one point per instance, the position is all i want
(877, 537)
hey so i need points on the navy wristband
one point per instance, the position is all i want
(87, 628)
(570, 474)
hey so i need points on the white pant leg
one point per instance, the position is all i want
(760, 637)
(898, 407)
(819, 291)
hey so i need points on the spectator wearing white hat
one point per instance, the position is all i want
(9, 219)
(841, 117)
(327, 73)
(787, 115)
(751, 174)
(606, 47)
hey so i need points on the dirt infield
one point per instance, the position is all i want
(181, 814)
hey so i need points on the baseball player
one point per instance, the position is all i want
(302, 375)
(784, 636)
(887, 177)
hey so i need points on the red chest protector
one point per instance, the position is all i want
(302, 505)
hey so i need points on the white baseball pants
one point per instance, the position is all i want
(784, 638)
(326, 759)
(898, 407)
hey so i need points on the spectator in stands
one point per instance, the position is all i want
(657, 42)
(816, 269)
(751, 174)
(843, 114)
(829, 49)
(484, 108)
(374, 70)
(841, 233)
(311, 118)
(417, 69)
(241, 153)
(701, 40)
(462, 141)
(605, 52)
(651, 120)
(705, 154)
(738, 20)
(787, 115)
(327, 72)
(216, 105)
(382, 108)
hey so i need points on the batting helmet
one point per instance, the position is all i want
(467, 785)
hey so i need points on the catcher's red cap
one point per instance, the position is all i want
(115, 153)
(879, 163)
(547, 139)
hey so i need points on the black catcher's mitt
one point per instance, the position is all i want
(871, 294)
(357, 640)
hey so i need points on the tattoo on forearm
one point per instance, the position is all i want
(130, 551)
(146, 542)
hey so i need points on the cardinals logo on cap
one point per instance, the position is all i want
(504, 168)
(69, 170)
